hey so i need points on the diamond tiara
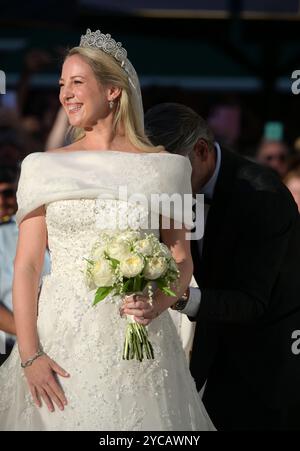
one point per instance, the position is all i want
(106, 43)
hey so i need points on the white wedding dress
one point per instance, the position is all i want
(104, 392)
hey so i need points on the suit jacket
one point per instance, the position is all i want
(249, 276)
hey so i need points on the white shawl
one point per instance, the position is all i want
(48, 177)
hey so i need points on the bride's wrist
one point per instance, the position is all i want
(158, 305)
(27, 353)
(161, 302)
(28, 362)
(156, 310)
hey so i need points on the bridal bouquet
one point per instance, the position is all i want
(128, 262)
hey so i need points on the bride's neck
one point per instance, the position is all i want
(103, 137)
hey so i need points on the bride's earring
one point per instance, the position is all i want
(111, 104)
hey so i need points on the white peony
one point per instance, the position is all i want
(144, 247)
(98, 251)
(102, 273)
(132, 265)
(129, 235)
(118, 249)
(155, 267)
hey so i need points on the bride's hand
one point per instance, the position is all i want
(44, 385)
(140, 308)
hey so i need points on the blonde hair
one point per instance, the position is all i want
(108, 72)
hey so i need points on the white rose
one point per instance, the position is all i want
(98, 251)
(144, 247)
(118, 249)
(129, 235)
(132, 265)
(155, 268)
(102, 273)
(90, 281)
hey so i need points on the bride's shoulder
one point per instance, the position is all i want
(31, 157)
(165, 152)
(37, 158)
(175, 156)
(35, 155)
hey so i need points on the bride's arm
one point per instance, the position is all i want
(180, 247)
(27, 269)
(176, 241)
(28, 266)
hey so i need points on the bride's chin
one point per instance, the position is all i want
(82, 123)
(77, 122)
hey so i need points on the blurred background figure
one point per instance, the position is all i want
(273, 151)
(8, 186)
(8, 238)
(292, 179)
(275, 155)
(297, 146)
(8, 241)
(225, 122)
(241, 81)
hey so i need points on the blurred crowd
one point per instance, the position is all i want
(32, 120)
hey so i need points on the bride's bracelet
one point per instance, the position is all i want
(32, 359)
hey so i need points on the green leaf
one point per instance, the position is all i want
(144, 284)
(128, 286)
(168, 292)
(137, 283)
(160, 283)
(114, 262)
(91, 262)
(101, 294)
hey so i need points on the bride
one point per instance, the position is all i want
(66, 371)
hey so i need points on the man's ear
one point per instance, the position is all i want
(201, 149)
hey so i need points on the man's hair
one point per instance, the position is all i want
(176, 127)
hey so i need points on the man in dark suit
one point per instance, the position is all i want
(248, 304)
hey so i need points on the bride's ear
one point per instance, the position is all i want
(113, 92)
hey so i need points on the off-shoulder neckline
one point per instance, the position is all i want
(120, 152)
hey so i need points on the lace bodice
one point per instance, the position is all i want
(75, 225)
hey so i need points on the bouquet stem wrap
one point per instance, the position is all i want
(136, 343)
